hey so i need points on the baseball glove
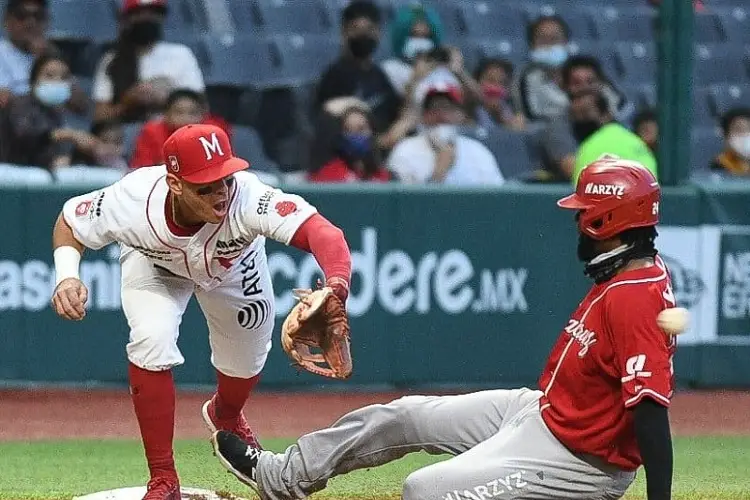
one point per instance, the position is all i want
(318, 320)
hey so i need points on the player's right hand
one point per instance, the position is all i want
(69, 299)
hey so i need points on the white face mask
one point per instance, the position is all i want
(415, 46)
(443, 134)
(553, 56)
(741, 145)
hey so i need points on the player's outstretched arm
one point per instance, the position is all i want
(70, 294)
(655, 442)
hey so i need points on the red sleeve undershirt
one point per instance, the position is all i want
(326, 242)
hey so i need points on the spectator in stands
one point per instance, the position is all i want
(344, 149)
(25, 24)
(439, 154)
(183, 107)
(415, 33)
(110, 151)
(558, 144)
(494, 107)
(536, 90)
(133, 81)
(31, 130)
(735, 158)
(355, 73)
(596, 130)
(646, 125)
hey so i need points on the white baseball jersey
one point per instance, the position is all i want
(132, 212)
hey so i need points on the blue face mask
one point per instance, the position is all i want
(553, 56)
(356, 145)
(53, 92)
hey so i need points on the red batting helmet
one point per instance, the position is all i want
(614, 195)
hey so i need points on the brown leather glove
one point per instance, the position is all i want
(318, 320)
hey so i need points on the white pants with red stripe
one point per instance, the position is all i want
(240, 321)
(501, 446)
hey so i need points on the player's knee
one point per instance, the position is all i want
(155, 350)
(420, 485)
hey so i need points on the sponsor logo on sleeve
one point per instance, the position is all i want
(284, 208)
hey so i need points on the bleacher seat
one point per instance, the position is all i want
(240, 61)
(708, 29)
(702, 109)
(510, 149)
(736, 24)
(637, 62)
(489, 20)
(18, 176)
(719, 63)
(451, 19)
(707, 143)
(130, 134)
(727, 96)
(184, 16)
(502, 49)
(623, 24)
(283, 16)
(578, 19)
(247, 144)
(82, 20)
(303, 58)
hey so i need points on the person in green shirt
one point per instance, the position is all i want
(598, 134)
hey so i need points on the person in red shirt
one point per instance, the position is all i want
(600, 411)
(184, 107)
(344, 149)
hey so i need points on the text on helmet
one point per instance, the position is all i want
(613, 189)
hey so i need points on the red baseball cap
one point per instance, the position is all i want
(128, 5)
(201, 154)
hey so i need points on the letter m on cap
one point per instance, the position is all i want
(211, 148)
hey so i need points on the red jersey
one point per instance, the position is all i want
(609, 357)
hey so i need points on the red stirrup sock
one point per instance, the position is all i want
(232, 393)
(153, 395)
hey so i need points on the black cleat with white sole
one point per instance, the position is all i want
(237, 456)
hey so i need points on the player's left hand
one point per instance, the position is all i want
(69, 299)
(319, 320)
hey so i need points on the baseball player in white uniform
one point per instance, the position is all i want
(195, 225)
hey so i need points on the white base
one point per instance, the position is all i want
(137, 493)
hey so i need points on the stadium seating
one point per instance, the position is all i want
(636, 62)
(719, 63)
(310, 17)
(706, 145)
(578, 19)
(248, 145)
(624, 25)
(727, 96)
(735, 23)
(511, 149)
(89, 20)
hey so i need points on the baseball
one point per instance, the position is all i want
(674, 320)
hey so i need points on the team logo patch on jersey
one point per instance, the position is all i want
(284, 208)
(174, 165)
(83, 208)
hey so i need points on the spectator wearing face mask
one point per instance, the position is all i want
(355, 74)
(646, 125)
(183, 107)
(557, 144)
(439, 154)
(494, 107)
(344, 149)
(536, 90)
(415, 33)
(599, 134)
(32, 130)
(735, 158)
(133, 81)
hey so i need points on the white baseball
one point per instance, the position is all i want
(674, 320)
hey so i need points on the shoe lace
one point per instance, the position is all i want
(160, 483)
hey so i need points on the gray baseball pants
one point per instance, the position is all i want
(501, 446)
